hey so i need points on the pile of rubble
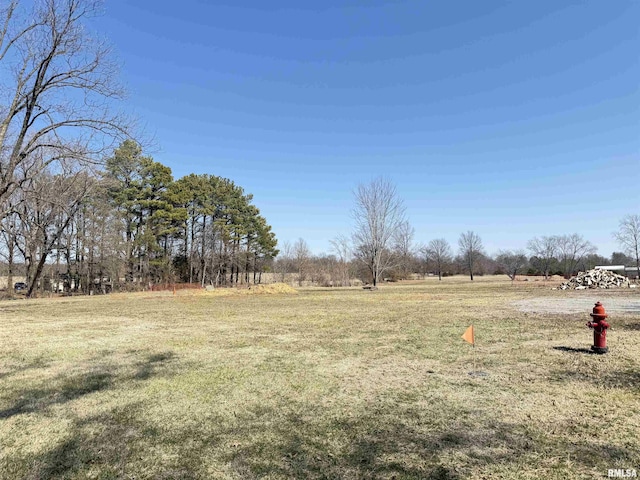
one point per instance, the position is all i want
(595, 279)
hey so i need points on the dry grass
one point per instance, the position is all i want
(329, 383)
(266, 289)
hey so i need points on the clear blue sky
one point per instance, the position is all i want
(512, 119)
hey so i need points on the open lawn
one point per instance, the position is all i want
(325, 383)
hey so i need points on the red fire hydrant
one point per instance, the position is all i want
(599, 326)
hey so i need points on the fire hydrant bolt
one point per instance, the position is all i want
(599, 326)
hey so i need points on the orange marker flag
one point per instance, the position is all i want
(468, 336)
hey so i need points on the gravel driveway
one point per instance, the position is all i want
(579, 305)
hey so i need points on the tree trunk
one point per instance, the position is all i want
(203, 262)
(255, 268)
(81, 258)
(56, 275)
(66, 286)
(190, 257)
(39, 268)
(204, 275)
(130, 264)
(246, 266)
(10, 266)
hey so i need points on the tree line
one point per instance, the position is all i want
(80, 204)
(382, 246)
(437, 257)
(130, 225)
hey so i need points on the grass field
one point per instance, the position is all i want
(325, 383)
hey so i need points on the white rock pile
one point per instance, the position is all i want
(595, 279)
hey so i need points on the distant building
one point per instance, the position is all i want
(629, 272)
(619, 269)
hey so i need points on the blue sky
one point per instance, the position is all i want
(512, 119)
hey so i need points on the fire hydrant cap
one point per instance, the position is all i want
(598, 311)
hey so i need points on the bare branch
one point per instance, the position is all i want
(378, 214)
(470, 249)
(62, 92)
(628, 236)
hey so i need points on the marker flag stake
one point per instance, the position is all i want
(470, 337)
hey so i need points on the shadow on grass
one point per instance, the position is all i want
(30, 365)
(105, 444)
(628, 378)
(297, 440)
(288, 438)
(375, 447)
(575, 350)
(621, 377)
(388, 445)
(112, 445)
(630, 326)
(379, 452)
(148, 368)
(66, 388)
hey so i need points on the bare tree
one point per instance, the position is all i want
(378, 214)
(341, 247)
(8, 234)
(571, 249)
(403, 247)
(544, 249)
(302, 256)
(285, 260)
(438, 253)
(58, 88)
(512, 262)
(628, 236)
(51, 201)
(470, 249)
